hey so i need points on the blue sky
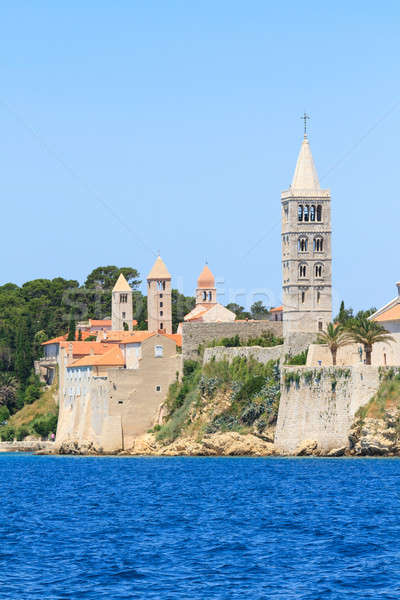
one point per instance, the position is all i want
(128, 127)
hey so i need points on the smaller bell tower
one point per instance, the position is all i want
(206, 292)
(159, 302)
(121, 305)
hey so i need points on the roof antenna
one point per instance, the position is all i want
(305, 117)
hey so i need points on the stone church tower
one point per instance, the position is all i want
(121, 305)
(206, 292)
(306, 250)
(159, 306)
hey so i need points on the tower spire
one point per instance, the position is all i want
(305, 117)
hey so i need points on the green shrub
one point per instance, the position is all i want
(265, 340)
(7, 433)
(4, 414)
(32, 393)
(43, 426)
(298, 359)
(21, 433)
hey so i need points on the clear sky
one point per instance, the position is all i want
(128, 127)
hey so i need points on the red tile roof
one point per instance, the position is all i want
(277, 309)
(174, 336)
(391, 314)
(62, 338)
(85, 348)
(112, 358)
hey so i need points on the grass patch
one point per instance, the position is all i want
(387, 397)
(35, 418)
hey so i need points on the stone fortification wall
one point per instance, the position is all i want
(298, 342)
(383, 354)
(319, 404)
(263, 355)
(194, 334)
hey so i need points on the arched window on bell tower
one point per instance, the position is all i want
(302, 244)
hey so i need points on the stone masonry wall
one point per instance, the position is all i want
(194, 334)
(263, 355)
(319, 404)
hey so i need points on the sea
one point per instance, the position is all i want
(199, 528)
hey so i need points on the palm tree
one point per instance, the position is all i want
(363, 331)
(8, 389)
(334, 336)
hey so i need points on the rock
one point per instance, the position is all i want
(337, 451)
(236, 444)
(374, 437)
(73, 447)
(145, 445)
(307, 448)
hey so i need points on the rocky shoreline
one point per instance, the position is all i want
(368, 437)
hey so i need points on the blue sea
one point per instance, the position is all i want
(199, 528)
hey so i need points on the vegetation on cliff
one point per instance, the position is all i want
(266, 340)
(38, 418)
(241, 396)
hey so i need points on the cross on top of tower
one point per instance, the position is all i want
(305, 117)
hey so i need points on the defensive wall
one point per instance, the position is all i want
(262, 355)
(195, 334)
(319, 404)
(117, 408)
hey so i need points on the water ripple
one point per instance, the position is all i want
(195, 529)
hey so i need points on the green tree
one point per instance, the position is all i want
(8, 391)
(334, 336)
(71, 328)
(181, 305)
(239, 311)
(23, 354)
(99, 284)
(259, 311)
(363, 331)
(80, 335)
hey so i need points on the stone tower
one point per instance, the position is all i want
(306, 250)
(206, 292)
(121, 305)
(159, 306)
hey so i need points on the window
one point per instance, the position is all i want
(161, 326)
(204, 295)
(209, 296)
(318, 297)
(160, 295)
(319, 325)
(158, 388)
(302, 271)
(306, 213)
(318, 270)
(300, 212)
(161, 313)
(312, 213)
(303, 244)
(158, 351)
(318, 244)
(161, 304)
(124, 315)
(319, 212)
(123, 298)
(303, 297)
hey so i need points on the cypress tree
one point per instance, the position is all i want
(23, 353)
(71, 329)
(80, 335)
